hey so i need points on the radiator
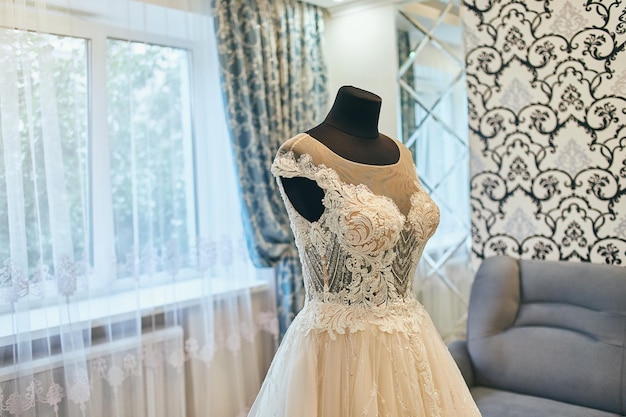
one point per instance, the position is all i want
(125, 377)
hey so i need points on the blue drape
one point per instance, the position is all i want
(274, 84)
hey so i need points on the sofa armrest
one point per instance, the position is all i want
(460, 354)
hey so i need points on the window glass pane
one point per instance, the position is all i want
(151, 156)
(43, 153)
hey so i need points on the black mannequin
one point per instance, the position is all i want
(351, 131)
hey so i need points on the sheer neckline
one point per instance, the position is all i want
(305, 162)
(335, 154)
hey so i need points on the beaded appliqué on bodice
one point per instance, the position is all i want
(363, 251)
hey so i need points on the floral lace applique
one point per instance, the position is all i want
(362, 253)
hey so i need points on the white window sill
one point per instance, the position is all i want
(43, 321)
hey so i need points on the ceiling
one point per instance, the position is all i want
(425, 8)
(335, 6)
(328, 4)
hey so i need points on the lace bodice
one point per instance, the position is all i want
(364, 249)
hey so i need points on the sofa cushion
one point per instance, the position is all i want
(557, 330)
(496, 403)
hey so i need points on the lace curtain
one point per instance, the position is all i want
(125, 281)
(274, 82)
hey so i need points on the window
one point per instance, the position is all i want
(43, 131)
(100, 178)
(151, 154)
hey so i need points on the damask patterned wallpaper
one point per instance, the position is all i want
(547, 109)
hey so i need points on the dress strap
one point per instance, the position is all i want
(285, 163)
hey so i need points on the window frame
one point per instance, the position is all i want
(102, 274)
(159, 294)
(103, 235)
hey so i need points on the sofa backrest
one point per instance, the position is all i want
(551, 329)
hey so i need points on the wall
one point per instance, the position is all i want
(360, 50)
(547, 87)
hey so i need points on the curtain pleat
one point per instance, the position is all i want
(274, 84)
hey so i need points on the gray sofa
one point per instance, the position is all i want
(546, 339)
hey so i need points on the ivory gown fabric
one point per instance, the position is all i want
(362, 345)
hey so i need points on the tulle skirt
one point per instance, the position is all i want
(365, 370)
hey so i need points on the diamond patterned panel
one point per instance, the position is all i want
(431, 78)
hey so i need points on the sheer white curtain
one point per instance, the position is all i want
(125, 285)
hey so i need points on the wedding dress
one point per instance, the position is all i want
(362, 346)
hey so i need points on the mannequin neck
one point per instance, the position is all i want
(355, 112)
